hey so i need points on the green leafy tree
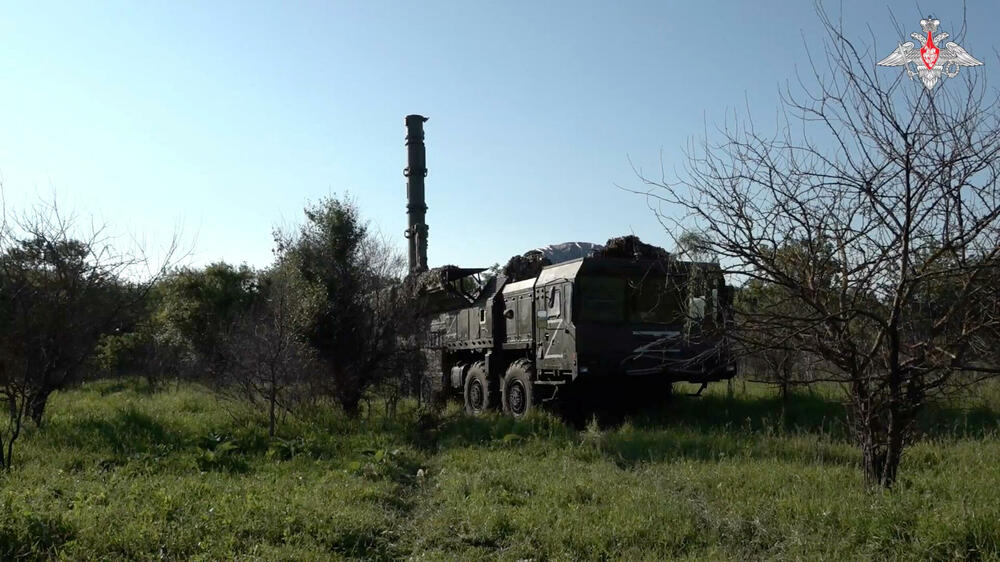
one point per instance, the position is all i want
(357, 328)
(194, 310)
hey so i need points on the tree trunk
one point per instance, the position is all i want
(784, 401)
(347, 389)
(895, 438)
(873, 460)
(10, 453)
(36, 406)
(351, 407)
(7, 457)
(893, 455)
(272, 398)
(871, 435)
(882, 450)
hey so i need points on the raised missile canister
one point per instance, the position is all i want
(416, 205)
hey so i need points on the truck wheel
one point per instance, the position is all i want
(518, 389)
(480, 392)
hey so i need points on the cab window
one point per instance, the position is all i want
(554, 303)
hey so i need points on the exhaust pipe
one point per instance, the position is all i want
(416, 206)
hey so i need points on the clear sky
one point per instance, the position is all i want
(222, 119)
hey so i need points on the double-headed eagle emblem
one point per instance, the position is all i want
(930, 62)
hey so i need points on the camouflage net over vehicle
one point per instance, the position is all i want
(445, 288)
(432, 279)
(525, 266)
(449, 282)
(530, 264)
(630, 247)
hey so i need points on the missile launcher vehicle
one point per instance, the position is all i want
(622, 315)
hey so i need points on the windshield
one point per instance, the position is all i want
(648, 299)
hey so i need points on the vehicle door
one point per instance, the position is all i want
(554, 349)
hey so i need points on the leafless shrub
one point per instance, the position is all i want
(873, 218)
(270, 365)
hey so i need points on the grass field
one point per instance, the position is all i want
(121, 473)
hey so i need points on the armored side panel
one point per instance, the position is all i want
(462, 327)
(647, 317)
(518, 314)
(473, 327)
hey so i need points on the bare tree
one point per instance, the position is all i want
(61, 289)
(270, 363)
(889, 191)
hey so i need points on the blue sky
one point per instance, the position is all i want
(222, 119)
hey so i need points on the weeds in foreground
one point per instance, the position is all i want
(120, 473)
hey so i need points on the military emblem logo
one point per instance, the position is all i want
(931, 63)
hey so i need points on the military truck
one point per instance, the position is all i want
(512, 340)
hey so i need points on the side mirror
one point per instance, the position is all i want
(509, 313)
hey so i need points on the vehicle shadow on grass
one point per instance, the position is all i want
(806, 427)
(799, 413)
(809, 428)
(802, 412)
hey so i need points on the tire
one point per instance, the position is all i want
(480, 393)
(518, 394)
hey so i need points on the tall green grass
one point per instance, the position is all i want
(123, 473)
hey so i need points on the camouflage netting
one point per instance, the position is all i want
(436, 293)
(530, 264)
(431, 280)
(630, 247)
(558, 253)
(525, 266)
